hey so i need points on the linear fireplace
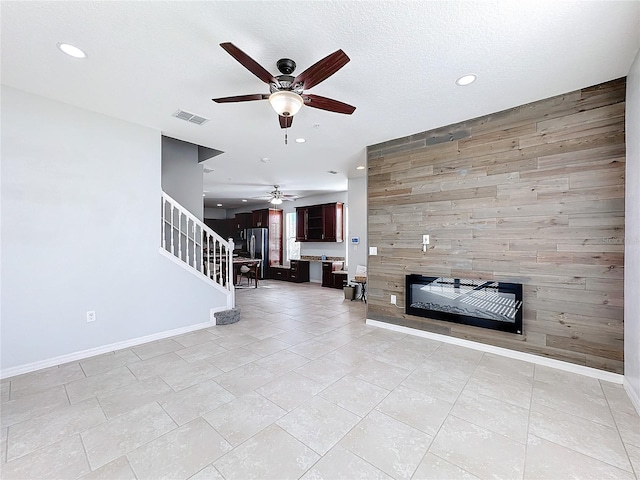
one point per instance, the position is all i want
(488, 304)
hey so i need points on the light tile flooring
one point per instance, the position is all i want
(302, 388)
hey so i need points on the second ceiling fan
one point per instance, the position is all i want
(287, 92)
(276, 196)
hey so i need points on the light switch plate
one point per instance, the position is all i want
(425, 239)
(373, 250)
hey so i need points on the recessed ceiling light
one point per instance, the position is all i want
(244, 199)
(265, 160)
(72, 51)
(466, 79)
(360, 167)
(218, 204)
(300, 140)
(204, 194)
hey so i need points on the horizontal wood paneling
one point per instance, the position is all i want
(533, 195)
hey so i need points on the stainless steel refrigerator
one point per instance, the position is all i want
(258, 247)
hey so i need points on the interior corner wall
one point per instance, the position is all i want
(532, 195)
(182, 175)
(81, 231)
(632, 242)
(357, 200)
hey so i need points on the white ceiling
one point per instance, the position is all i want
(148, 59)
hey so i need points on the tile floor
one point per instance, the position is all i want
(302, 388)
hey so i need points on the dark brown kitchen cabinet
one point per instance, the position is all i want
(326, 274)
(243, 221)
(260, 218)
(332, 278)
(280, 273)
(319, 223)
(301, 224)
(299, 272)
(332, 222)
(309, 224)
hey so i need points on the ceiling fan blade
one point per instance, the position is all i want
(323, 69)
(248, 63)
(241, 98)
(285, 122)
(324, 103)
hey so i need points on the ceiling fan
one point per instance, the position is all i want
(287, 92)
(276, 196)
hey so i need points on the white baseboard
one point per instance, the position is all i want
(76, 356)
(505, 352)
(633, 395)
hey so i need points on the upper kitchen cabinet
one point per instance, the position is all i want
(243, 221)
(332, 222)
(260, 218)
(319, 223)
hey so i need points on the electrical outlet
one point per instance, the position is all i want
(393, 299)
(91, 316)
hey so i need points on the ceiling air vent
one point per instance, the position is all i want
(190, 117)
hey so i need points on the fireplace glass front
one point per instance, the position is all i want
(488, 304)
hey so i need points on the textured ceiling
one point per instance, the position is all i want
(148, 59)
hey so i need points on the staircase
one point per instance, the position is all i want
(196, 247)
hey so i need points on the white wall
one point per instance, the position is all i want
(182, 175)
(632, 236)
(357, 195)
(215, 212)
(80, 231)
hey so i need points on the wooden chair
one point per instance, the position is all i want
(250, 270)
(253, 272)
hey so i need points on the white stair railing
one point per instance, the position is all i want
(190, 240)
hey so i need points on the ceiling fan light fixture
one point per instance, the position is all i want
(275, 201)
(286, 103)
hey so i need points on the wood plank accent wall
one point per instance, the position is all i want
(531, 195)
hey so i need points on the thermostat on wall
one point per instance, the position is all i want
(355, 240)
